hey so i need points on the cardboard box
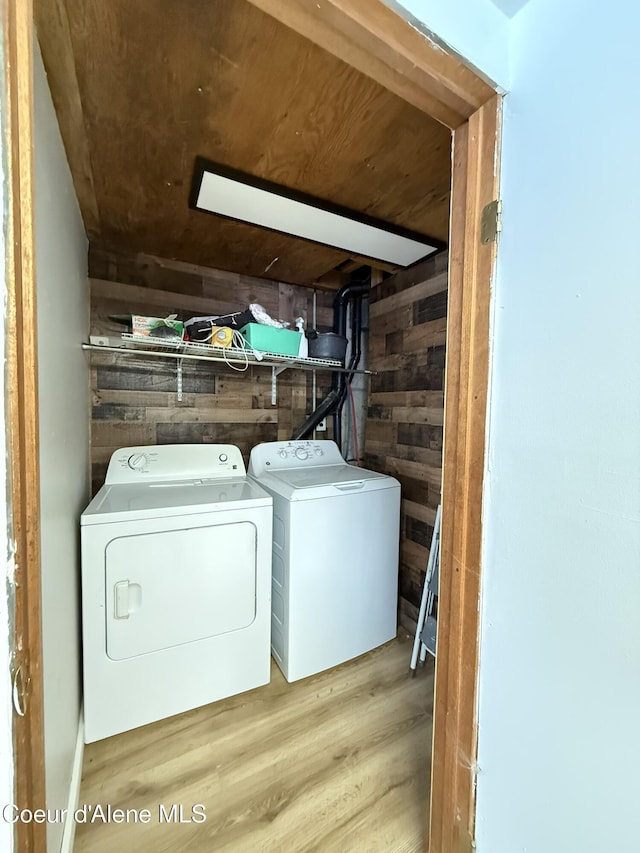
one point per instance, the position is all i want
(157, 327)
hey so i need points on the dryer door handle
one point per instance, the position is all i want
(121, 600)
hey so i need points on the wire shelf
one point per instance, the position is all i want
(178, 349)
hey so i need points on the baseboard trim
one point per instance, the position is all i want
(69, 832)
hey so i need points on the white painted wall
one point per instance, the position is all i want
(560, 651)
(61, 270)
(475, 29)
(559, 696)
(510, 7)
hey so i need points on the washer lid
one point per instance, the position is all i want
(325, 481)
(170, 498)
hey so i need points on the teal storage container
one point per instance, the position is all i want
(268, 339)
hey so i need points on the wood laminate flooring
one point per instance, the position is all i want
(336, 763)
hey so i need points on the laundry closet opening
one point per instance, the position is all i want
(228, 82)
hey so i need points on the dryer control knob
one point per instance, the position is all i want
(138, 461)
(223, 457)
(302, 453)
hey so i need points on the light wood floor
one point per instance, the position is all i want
(336, 763)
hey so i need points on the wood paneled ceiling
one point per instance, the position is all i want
(141, 89)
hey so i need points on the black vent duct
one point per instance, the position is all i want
(353, 292)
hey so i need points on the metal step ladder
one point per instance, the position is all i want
(427, 627)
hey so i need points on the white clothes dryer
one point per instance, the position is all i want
(176, 585)
(336, 531)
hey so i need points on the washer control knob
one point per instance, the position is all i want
(282, 453)
(302, 453)
(138, 461)
(319, 451)
(223, 457)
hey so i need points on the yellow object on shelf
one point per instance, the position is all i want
(221, 336)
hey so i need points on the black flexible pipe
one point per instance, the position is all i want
(356, 342)
(324, 410)
(351, 291)
(360, 277)
(354, 359)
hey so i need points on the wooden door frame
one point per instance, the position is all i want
(22, 419)
(377, 41)
(471, 268)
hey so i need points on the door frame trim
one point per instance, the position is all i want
(22, 426)
(472, 262)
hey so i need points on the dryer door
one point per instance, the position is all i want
(167, 588)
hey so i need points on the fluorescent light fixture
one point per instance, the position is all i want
(227, 192)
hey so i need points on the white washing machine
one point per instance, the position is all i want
(336, 531)
(176, 585)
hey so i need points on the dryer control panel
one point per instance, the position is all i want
(281, 455)
(173, 462)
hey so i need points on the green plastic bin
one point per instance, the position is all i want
(268, 339)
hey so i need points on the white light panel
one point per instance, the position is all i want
(250, 204)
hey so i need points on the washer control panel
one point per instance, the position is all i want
(173, 462)
(281, 455)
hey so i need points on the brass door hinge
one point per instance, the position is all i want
(491, 223)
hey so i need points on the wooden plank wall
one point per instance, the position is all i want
(407, 335)
(134, 399)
